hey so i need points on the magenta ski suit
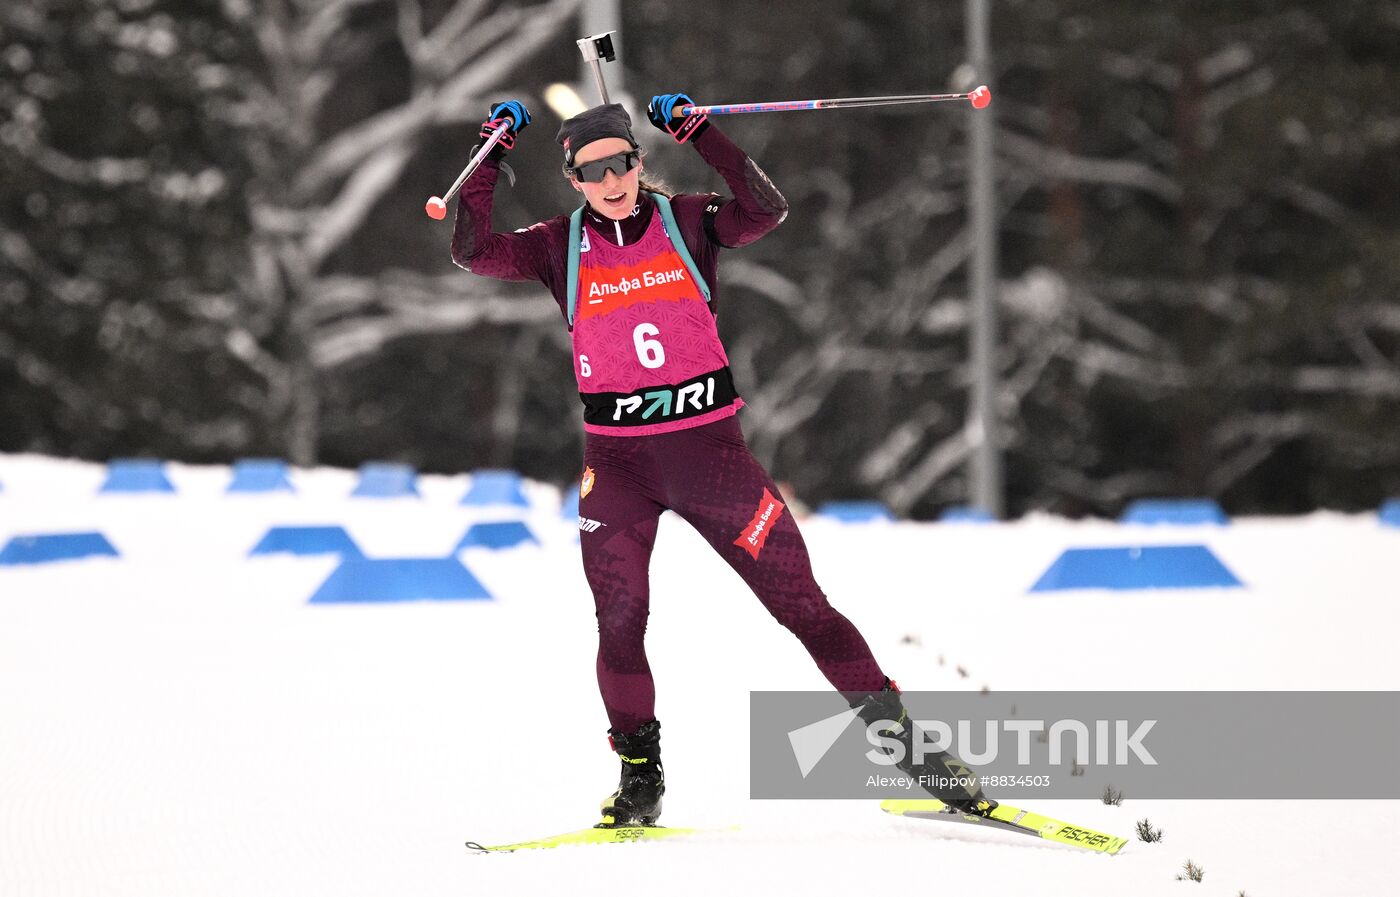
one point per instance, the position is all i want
(659, 413)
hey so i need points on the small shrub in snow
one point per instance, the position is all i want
(1191, 872)
(1111, 797)
(1147, 833)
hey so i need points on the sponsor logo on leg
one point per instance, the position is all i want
(585, 485)
(756, 533)
(589, 526)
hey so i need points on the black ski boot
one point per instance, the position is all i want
(637, 800)
(940, 774)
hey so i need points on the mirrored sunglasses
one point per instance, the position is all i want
(594, 172)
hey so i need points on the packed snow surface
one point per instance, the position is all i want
(180, 721)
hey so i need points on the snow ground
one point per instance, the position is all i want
(180, 722)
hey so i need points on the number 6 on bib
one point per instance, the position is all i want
(645, 300)
(649, 351)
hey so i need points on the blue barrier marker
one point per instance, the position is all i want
(260, 475)
(386, 481)
(1390, 512)
(1127, 569)
(855, 511)
(44, 549)
(569, 507)
(1177, 511)
(136, 475)
(966, 514)
(496, 487)
(506, 534)
(359, 581)
(307, 540)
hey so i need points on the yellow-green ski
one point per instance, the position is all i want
(1011, 819)
(623, 834)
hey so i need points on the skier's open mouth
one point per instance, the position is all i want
(615, 199)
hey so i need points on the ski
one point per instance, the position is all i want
(622, 834)
(1010, 819)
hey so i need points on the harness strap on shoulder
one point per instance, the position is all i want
(575, 236)
(673, 230)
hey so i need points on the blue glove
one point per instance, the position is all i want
(513, 111)
(664, 112)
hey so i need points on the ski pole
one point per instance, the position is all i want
(437, 205)
(979, 99)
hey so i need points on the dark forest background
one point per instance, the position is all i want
(212, 242)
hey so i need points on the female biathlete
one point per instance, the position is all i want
(634, 273)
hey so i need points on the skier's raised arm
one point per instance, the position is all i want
(523, 255)
(757, 207)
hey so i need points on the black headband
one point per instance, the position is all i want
(597, 123)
